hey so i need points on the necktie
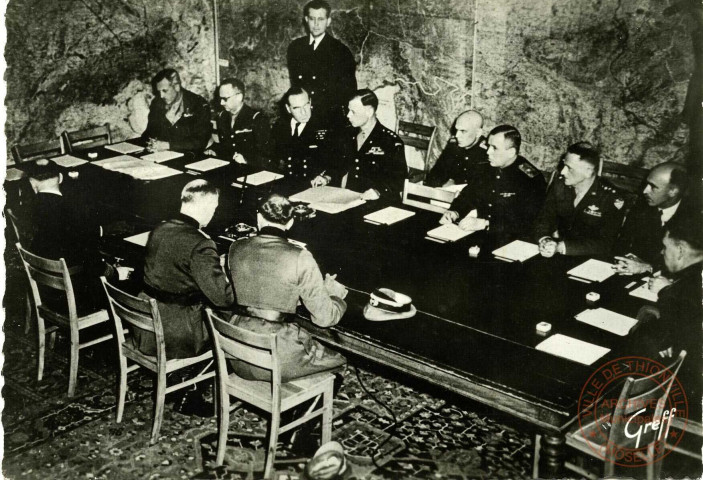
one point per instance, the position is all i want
(297, 129)
(312, 46)
(360, 139)
(661, 217)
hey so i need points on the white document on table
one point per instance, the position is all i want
(449, 232)
(329, 199)
(572, 349)
(645, 293)
(388, 216)
(607, 320)
(259, 178)
(124, 148)
(517, 251)
(592, 270)
(68, 161)
(139, 239)
(207, 164)
(137, 167)
(13, 174)
(163, 156)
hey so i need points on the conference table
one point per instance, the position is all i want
(475, 328)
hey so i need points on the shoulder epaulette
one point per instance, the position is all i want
(255, 114)
(205, 234)
(528, 169)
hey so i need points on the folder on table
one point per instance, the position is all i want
(139, 239)
(207, 164)
(592, 270)
(516, 251)
(449, 232)
(124, 148)
(572, 349)
(68, 161)
(388, 216)
(259, 178)
(607, 320)
(163, 156)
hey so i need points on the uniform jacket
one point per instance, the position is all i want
(589, 228)
(249, 136)
(681, 312)
(379, 164)
(190, 133)
(182, 272)
(509, 198)
(327, 73)
(306, 156)
(272, 276)
(457, 163)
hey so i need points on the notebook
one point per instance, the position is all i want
(447, 233)
(207, 164)
(139, 239)
(124, 148)
(164, 156)
(607, 320)
(259, 178)
(69, 161)
(592, 270)
(572, 349)
(388, 216)
(516, 251)
(645, 293)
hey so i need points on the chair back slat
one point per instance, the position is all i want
(14, 223)
(136, 319)
(87, 138)
(47, 279)
(32, 151)
(419, 143)
(418, 140)
(415, 128)
(45, 264)
(139, 305)
(251, 347)
(421, 196)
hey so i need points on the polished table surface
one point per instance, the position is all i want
(474, 332)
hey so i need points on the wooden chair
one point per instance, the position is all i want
(418, 140)
(54, 274)
(624, 177)
(427, 198)
(231, 342)
(636, 392)
(19, 238)
(87, 138)
(144, 314)
(33, 151)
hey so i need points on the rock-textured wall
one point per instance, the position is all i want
(610, 71)
(74, 64)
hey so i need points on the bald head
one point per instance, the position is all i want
(468, 128)
(666, 184)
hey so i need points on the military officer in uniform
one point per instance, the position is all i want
(322, 65)
(464, 151)
(179, 119)
(301, 143)
(374, 155)
(503, 196)
(182, 272)
(243, 132)
(581, 215)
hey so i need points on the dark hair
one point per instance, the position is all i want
(687, 228)
(367, 98)
(292, 91)
(234, 83)
(166, 74)
(276, 209)
(316, 5)
(197, 189)
(586, 152)
(510, 133)
(43, 169)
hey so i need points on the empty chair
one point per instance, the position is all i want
(418, 140)
(55, 275)
(87, 138)
(33, 151)
(275, 397)
(131, 311)
(427, 198)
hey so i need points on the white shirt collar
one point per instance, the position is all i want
(316, 40)
(293, 121)
(669, 212)
(52, 191)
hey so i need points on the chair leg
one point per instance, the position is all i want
(159, 406)
(27, 313)
(223, 424)
(73, 368)
(273, 442)
(41, 334)
(122, 388)
(535, 460)
(327, 412)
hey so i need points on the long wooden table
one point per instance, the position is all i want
(475, 330)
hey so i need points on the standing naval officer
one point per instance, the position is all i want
(179, 119)
(506, 194)
(581, 215)
(374, 155)
(322, 65)
(243, 132)
(464, 151)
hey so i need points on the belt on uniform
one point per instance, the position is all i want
(182, 299)
(269, 315)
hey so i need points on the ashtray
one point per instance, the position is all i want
(240, 230)
(303, 211)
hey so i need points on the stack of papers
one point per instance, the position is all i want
(516, 251)
(13, 174)
(329, 199)
(447, 233)
(139, 239)
(259, 178)
(137, 168)
(68, 161)
(645, 293)
(456, 188)
(164, 156)
(207, 164)
(607, 320)
(124, 148)
(572, 349)
(388, 216)
(592, 271)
